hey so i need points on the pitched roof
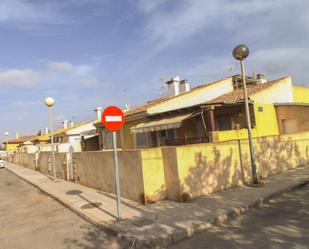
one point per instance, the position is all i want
(238, 94)
(20, 139)
(144, 107)
(46, 137)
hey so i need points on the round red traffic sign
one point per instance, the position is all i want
(113, 118)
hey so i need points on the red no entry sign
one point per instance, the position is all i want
(113, 118)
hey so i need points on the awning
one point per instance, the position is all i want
(162, 124)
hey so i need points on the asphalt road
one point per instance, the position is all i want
(283, 223)
(31, 219)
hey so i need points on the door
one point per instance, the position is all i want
(289, 126)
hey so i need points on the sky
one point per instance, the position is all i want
(89, 53)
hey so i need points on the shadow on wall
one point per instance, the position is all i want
(277, 154)
(184, 172)
(212, 173)
(158, 194)
(223, 168)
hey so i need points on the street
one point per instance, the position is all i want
(282, 223)
(31, 219)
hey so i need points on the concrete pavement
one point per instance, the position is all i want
(163, 223)
(283, 223)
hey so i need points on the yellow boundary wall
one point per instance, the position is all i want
(183, 172)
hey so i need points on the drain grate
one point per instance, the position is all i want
(91, 205)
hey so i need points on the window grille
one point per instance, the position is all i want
(225, 123)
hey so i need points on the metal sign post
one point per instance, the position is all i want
(113, 120)
(117, 182)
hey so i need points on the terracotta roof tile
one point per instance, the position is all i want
(21, 139)
(237, 95)
(144, 107)
(45, 137)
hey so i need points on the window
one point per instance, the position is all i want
(142, 140)
(224, 123)
(58, 140)
(166, 137)
(171, 134)
(289, 126)
(107, 140)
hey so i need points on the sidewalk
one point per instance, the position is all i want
(163, 223)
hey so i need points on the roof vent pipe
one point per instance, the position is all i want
(98, 111)
(65, 124)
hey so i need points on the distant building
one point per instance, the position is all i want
(13, 144)
(65, 139)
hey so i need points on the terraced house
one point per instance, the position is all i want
(213, 112)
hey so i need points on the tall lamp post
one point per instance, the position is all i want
(240, 53)
(49, 102)
(6, 134)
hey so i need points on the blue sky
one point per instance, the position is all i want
(88, 53)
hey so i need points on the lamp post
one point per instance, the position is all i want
(6, 134)
(49, 102)
(240, 53)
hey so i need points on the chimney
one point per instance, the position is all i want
(261, 78)
(173, 86)
(127, 107)
(46, 130)
(184, 86)
(71, 123)
(65, 124)
(17, 135)
(98, 112)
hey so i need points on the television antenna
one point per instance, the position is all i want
(162, 87)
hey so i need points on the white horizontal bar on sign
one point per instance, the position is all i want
(113, 118)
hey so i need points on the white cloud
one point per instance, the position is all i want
(28, 14)
(281, 62)
(173, 25)
(21, 103)
(18, 77)
(61, 67)
(149, 5)
(90, 82)
(274, 30)
(83, 70)
(25, 12)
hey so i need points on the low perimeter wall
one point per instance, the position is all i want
(176, 173)
(96, 170)
(195, 170)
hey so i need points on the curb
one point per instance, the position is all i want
(168, 240)
(233, 213)
(88, 218)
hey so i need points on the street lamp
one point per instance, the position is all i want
(7, 140)
(240, 53)
(49, 102)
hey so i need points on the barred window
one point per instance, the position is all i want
(224, 123)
